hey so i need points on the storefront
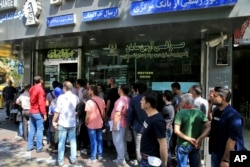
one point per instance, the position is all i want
(151, 41)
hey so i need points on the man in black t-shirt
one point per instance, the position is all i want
(153, 140)
(112, 96)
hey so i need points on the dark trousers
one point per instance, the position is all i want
(8, 106)
(25, 114)
(83, 137)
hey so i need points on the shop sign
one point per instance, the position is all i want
(162, 6)
(145, 74)
(153, 51)
(103, 14)
(63, 20)
(32, 10)
(11, 16)
(7, 4)
(60, 54)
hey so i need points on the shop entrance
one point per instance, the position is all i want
(59, 71)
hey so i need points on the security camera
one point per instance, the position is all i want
(216, 41)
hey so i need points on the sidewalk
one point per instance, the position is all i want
(13, 152)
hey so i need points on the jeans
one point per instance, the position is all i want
(215, 160)
(96, 143)
(36, 126)
(188, 152)
(169, 133)
(62, 136)
(137, 145)
(120, 144)
(20, 129)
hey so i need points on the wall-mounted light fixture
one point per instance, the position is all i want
(216, 41)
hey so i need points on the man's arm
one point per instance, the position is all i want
(107, 107)
(226, 157)
(54, 120)
(207, 127)
(163, 150)
(178, 132)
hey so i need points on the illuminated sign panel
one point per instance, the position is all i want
(63, 20)
(109, 13)
(162, 6)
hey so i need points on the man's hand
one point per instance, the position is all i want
(55, 124)
(44, 118)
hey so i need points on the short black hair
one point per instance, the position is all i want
(81, 82)
(168, 94)
(124, 88)
(37, 79)
(142, 88)
(176, 85)
(151, 98)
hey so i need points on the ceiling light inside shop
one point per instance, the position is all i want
(92, 39)
(142, 35)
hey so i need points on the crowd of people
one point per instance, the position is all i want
(163, 125)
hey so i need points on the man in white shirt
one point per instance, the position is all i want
(199, 102)
(24, 101)
(65, 121)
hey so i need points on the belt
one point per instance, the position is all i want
(144, 156)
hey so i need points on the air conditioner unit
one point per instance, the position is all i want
(55, 2)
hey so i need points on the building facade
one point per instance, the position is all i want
(152, 41)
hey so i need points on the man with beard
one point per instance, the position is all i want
(226, 129)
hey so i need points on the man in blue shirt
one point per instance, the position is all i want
(226, 129)
(136, 117)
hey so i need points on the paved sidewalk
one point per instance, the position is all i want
(13, 152)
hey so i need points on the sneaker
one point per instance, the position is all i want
(30, 149)
(92, 160)
(72, 162)
(84, 151)
(60, 164)
(100, 158)
(18, 138)
(119, 162)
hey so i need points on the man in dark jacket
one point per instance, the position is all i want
(9, 93)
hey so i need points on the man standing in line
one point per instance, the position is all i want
(37, 114)
(188, 126)
(226, 129)
(176, 89)
(136, 117)
(199, 102)
(64, 120)
(24, 101)
(153, 140)
(8, 96)
(95, 112)
(112, 96)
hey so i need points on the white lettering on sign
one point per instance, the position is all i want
(7, 4)
(32, 10)
(240, 158)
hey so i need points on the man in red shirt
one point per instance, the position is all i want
(37, 114)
